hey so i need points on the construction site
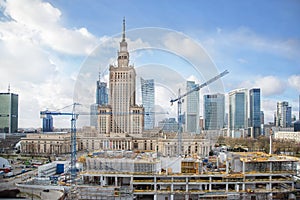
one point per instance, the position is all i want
(230, 175)
(120, 160)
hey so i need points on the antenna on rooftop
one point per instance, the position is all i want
(9, 88)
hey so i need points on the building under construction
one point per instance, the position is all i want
(130, 175)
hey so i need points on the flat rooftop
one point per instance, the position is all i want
(264, 157)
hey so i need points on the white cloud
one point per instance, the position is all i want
(194, 78)
(245, 37)
(269, 107)
(39, 22)
(269, 85)
(294, 81)
(184, 46)
(32, 40)
(52, 94)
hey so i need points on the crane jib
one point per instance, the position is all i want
(201, 86)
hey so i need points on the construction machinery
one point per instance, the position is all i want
(74, 117)
(179, 100)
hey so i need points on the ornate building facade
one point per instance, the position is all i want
(120, 123)
(45, 144)
(125, 116)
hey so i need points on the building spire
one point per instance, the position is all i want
(123, 35)
(9, 88)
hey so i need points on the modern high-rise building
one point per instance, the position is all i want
(48, 123)
(148, 101)
(101, 93)
(122, 115)
(255, 112)
(101, 100)
(283, 116)
(94, 115)
(214, 111)
(191, 124)
(237, 115)
(9, 112)
(262, 117)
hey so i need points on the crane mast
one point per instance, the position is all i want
(74, 117)
(179, 100)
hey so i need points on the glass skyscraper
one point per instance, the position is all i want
(214, 111)
(148, 101)
(101, 100)
(255, 113)
(8, 112)
(237, 112)
(48, 123)
(101, 93)
(192, 109)
(283, 114)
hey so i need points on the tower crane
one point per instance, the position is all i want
(179, 100)
(74, 117)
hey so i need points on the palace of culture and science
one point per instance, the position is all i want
(125, 161)
(122, 115)
(120, 123)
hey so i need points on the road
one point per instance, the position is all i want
(32, 193)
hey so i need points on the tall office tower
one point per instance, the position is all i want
(148, 98)
(237, 112)
(101, 100)
(226, 120)
(8, 112)
(262, 117)
(101, 93)
(48, 123)
(283, 114)
(125, 115)
(214, 111)
(255, 112)
(192, 109)
(94, 115)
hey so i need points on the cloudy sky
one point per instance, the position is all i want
(51, 51)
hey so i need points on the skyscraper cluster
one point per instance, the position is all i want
(241, 123)
(283, 117)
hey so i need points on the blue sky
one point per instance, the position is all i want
(44, 44)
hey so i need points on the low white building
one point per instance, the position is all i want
(50, 169)
(287, 135)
